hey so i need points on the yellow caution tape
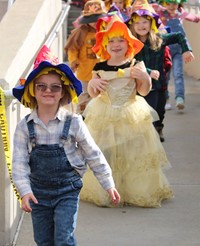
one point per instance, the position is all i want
(5, 137)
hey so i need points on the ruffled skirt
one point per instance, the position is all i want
(132, 147)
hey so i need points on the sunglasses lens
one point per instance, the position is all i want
(53, 88)
(41, 87)
(56, 88)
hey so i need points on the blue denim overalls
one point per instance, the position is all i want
(176, 53)
(56, 185)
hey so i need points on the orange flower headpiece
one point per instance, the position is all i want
(114, 27)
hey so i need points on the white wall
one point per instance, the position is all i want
(193, 35)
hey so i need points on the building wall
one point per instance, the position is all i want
(193, 35)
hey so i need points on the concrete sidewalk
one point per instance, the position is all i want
(177, 222)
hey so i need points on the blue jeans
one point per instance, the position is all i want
(54, 219)
(177, 60)
(177, 70)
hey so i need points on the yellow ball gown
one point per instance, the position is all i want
(121, 124)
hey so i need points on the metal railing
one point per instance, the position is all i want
(10, 3)
(60, 22)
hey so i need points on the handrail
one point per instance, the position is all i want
(59, 23)
(10, 3)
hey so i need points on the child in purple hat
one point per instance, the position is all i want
(144, 24)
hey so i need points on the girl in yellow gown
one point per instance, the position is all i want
(121, 122)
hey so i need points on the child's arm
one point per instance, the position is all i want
(157, 7)
(137, 72)
(143, 80)
(189, 16)
(188, 56)
(154, 74)
(73, 59)
(25, 202)
(20, 167)
(96, 85)
(177, 37)
(114, 195)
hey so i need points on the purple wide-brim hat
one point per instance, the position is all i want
(18, 91)
(145, 12)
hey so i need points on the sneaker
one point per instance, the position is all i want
(180, 103)
(168, 106)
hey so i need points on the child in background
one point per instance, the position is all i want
(144, 24)
(79, 45)
(172, 14)
(51, 149)
(121, 121)
(123, 5)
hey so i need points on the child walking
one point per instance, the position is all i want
(144, 24)
(51, 149)
(121, 121)
(172, 14)
(78, 47)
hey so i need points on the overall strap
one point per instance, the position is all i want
(66, 127)
(31, 130)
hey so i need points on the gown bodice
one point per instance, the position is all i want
(119, 90)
